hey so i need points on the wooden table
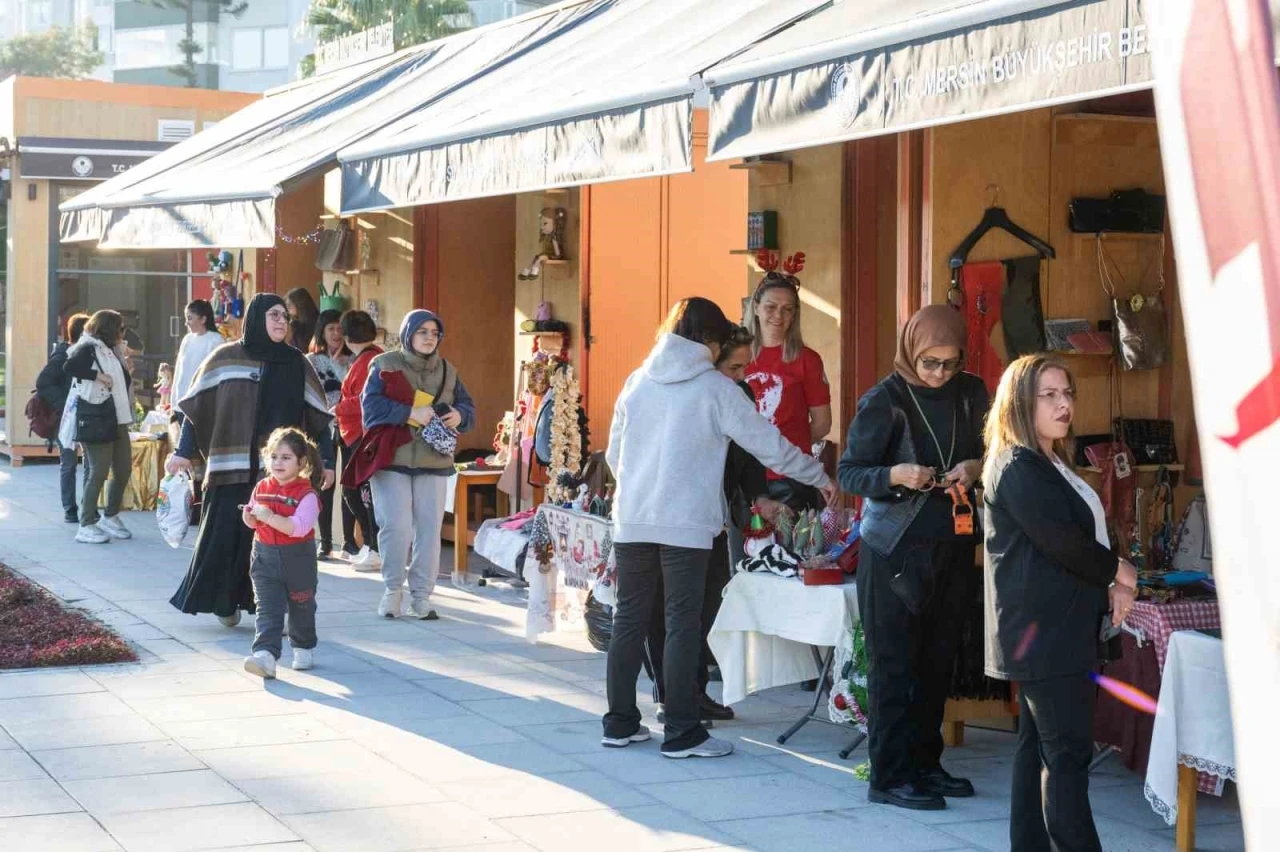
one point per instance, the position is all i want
(462, 534)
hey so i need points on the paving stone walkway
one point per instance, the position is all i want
(455, 734)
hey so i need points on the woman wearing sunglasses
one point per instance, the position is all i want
(914, 452)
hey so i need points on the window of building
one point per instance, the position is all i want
(275, 47)
(159, 47)
(104, 39)
(37, 14)
(246, 49)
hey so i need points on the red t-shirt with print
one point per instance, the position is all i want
(786, 391)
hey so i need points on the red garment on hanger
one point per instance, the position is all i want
(983, 286)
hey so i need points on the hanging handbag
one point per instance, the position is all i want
(96, 421)
(1119, 469)
(1150, 440)
(1023, 316)
(1140, 325)
(1125, 210)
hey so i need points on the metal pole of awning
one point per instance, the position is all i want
(140, 273)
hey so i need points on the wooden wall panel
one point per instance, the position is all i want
(706, 219)
(625, 290)
(476, 243)
(297, 213)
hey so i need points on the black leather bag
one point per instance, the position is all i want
(96, 421)
(1129, 210)
(1150, 441)
(1022, 314)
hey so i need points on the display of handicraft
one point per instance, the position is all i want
(799, 544)
(566, 434)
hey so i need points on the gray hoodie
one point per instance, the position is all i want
(672, 425)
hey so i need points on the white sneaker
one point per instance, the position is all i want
(389, 606)
(366, 561)
(114, 527)
(91, 534)
(710, 747)
(421, 610)
(641, 735)
(230, 620)
(261, 664)
(303, 659)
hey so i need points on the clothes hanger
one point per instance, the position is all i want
(997, 217)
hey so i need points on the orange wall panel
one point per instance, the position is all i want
(625, 290)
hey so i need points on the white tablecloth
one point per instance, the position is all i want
(766, 628)
(1193, 721)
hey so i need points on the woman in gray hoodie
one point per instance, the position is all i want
(672, 425)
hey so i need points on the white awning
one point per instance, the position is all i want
(219, 187)
(860, 68)
(610, 98)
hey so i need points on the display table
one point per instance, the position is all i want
(1192, 730)
(147, 460)
(581, 550)
(458, 502)
(1144, 646)
(768, 626)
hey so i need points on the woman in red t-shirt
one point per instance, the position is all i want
(788, 379)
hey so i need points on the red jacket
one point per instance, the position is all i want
(377, 447)
(347, 410)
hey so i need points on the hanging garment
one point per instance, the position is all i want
(983, 285)
(1023, 316)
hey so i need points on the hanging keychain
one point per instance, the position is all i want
(961, 509)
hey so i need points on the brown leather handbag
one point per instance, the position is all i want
(1140, 322)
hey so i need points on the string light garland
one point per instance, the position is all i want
(310, 238)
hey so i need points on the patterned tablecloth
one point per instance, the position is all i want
(1154, 623)
(1193, 723)
(580, 551)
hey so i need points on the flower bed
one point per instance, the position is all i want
(38, 631)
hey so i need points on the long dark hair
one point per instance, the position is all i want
(319, 345)
(106, 326)
(204, 310)
(699, 320)
(303, 327)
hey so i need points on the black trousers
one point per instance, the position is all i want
(911, 657)
(713, 592)
(326, 506)
(682, 571)
(359, 503)
(1049, 810)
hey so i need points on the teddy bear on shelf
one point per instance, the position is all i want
(551, 222)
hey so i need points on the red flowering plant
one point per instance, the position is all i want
(38, 631)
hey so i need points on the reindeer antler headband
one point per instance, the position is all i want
(769, 262)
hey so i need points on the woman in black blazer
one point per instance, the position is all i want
(1050, 579)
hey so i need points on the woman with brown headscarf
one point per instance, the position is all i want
(915, 435)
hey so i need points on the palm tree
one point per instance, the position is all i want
(188, 46)
(414, 21)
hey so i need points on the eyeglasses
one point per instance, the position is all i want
(933, 365)
(1056, 396)
(277, 315)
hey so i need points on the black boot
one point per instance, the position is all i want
(942, 782)
(709, 709)
(910, 796)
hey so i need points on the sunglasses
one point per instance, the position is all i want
(933, 365)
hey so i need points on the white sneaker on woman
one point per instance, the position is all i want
(91, 534)
(366, 561)
(303, 659)
(114, 527)
(710, 747)
(389, 606)
(230, 620)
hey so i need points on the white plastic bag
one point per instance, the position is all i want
(67, 428)
(173, 507)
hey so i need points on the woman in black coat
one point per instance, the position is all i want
(916, 434)
(1050, 579)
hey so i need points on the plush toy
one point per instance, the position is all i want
(551, 223)
(164, 384)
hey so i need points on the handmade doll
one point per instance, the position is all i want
(164, 384)
(551, 224)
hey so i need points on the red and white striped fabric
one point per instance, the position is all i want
(1218, 104)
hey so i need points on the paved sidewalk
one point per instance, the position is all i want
(456, 734)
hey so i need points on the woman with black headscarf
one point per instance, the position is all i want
(240, 395)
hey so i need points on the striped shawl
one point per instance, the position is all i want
(222, 405)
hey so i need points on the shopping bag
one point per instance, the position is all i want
(173, 507)
(67, 428)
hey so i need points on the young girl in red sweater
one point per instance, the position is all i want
(282, 512)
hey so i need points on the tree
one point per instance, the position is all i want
(189, 46)
(413, 21)
(57, 52)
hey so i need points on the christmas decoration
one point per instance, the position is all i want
(309, 239)
(566, 433)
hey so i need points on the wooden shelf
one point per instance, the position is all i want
(1144, 468)
(769, 172)
(543, 333)
(750, 252)
(357, 272)
(1121, 236)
